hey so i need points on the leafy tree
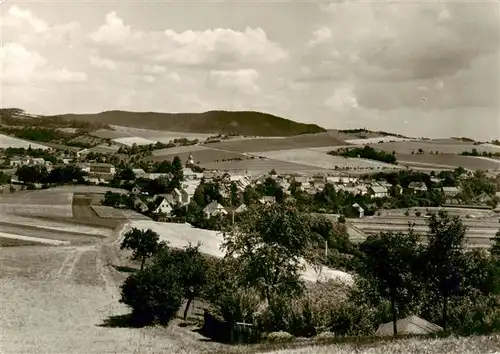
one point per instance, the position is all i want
(66, 174)
(32, 174)
(495, 247)
(177, 168)
(250, 195)
(271, 244)
(192, 269)
(144, 244)
(444, 258)
(126, 174)
(387, 265)
(4, 178)
(154, 294)
(235, 197)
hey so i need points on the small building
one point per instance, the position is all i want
(139, 172)
(15, 163)
(418, 187)
(136, 190)
(214, 209)
(177, 196)
(99, 168)
(377, 191)
(267, 200)
(361, 211)
(411, 325)
(450, 191)
(162, 206)
(140, 205)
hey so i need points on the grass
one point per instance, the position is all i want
(468, 162)
(271, 144)
(323, 160)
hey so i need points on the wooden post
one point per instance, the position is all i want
(326, 248)
(232, 218)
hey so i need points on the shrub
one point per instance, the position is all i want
(406, 213)
(154, 294)
(418, 214)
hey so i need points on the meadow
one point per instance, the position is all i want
(9, 141)
(320, 159)
(450, 160)
(162, 136)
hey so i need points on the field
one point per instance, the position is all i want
(202, 156)
(479, 232)
(448, 160)
(179, 150)
(270, 144)
(443, 147)
(130, 141)
(179, 236)
(162, 136)
(319, 159)
(9, 141)
(385, 139)
(259, 166)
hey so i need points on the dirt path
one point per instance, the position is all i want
(57, 300)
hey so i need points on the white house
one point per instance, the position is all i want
(162, 206)
(214, 209)
(376, 191)
(418, 187)
(267, 200)
(360, 209)
(450, 191)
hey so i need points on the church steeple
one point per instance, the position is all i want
(190, 161)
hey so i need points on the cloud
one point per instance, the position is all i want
(154, 69)
(24, 27)
(211, 48)
(102, 63)
(21, 66)
(244, 81)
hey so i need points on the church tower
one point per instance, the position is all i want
(190, 161)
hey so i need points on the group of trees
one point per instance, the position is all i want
(474, 152)
(395, 275)
(59, 175)
(367, 152)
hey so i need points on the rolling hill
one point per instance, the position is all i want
(213, 122)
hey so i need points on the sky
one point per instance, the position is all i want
(421, 68)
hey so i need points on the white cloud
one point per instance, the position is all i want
(23, 26)
(20, 66)
(154, 69)
(320, 35)
(342, 100)
(175, 77)
(102, 63)
(244, 81)
(212, 47)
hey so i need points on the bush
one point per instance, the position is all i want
(406, 213)
(418, 214)
(154, 294)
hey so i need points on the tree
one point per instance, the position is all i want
(126, 174)
(177, 168)
(444, 257)
(495, 247)
(271, 244)
(387, 264)
(32, 174)
(144, 244)
(191, 267)
(154, 294)
(235, 196)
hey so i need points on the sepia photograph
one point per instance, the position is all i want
(243, 177)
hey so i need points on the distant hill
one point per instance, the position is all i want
(212, 122)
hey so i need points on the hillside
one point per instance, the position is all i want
(212, 122)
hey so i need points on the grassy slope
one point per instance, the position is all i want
(242, 123)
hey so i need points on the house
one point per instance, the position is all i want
(177, 196)
(484, 198)
(242, 208)
(140, 205)
(377, 191)
(136, 190)
(214, 209)
(241, 182)
(361, 211)
(318, 183)
(267, 200)
(333, 179)
(154, 176)
(98, 168)
(411, 325)
(398, 190)
(418, 187)
(190, 174)
(161, 206)
(450, 191)
(139, 172)
(15, 163)
(37, 161)
(82, 153)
